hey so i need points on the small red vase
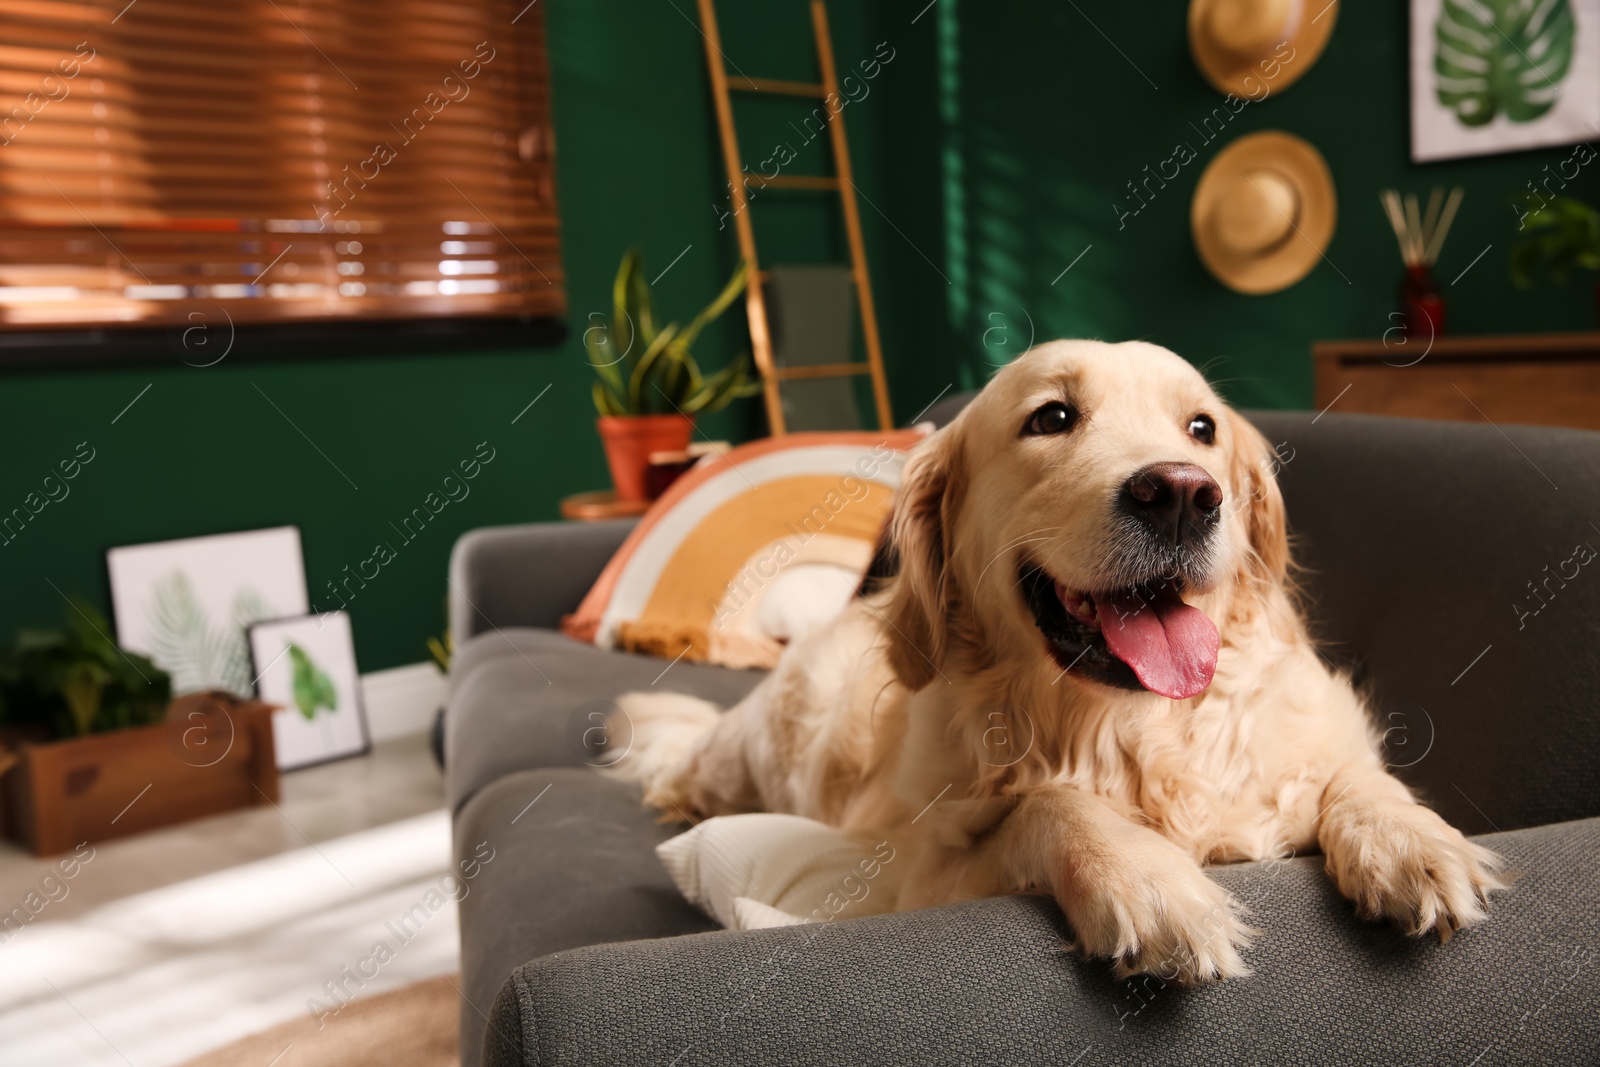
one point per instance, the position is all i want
(1422, 304)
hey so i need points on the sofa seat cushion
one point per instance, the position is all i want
(522, 699)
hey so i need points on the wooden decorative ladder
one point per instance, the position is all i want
(841, 182)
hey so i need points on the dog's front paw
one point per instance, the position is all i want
(1402, 862)
(1154, 911)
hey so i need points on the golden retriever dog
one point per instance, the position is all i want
(1089, 677)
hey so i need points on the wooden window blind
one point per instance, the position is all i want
(286, 160)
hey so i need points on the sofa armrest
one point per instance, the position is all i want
(506, 576)
(990, 982)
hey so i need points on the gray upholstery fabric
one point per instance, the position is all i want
(989, 982)
(573, 865)
(527, 698)
(531, 575)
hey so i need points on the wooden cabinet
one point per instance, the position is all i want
(1539, 379)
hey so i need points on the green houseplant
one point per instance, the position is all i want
(75, 681)
(648, 386)
(1561, 233)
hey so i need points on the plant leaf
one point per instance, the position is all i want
(80, 687)
(621, 289)
(603, 354)
(605, 403)
(313, 689)
(610, 400)
(180, 636)
(723, 387)
(735, 286)
(638, 400)
(248, 608)
(1562, 233)
(1501, 57)
(642, 311)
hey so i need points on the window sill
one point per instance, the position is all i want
(203, 346)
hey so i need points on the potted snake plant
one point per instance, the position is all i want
(648, 387)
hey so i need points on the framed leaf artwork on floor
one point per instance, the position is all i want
(187, 604)
(307, 666)
(1492, 76)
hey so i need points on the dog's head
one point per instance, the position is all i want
(1096, 510)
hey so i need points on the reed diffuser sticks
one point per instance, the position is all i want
(1421, 234)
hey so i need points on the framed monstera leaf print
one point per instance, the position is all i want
(1493, 76)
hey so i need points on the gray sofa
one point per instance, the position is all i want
(1418, 538)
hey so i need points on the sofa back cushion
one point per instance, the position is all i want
(1451, 568)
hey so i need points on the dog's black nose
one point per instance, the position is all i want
(1178, 501)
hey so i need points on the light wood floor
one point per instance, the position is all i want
(174, 942)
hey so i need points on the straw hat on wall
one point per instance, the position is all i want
(1236, 43)
(1263, 212)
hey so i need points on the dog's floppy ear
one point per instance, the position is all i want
(919, 533)
(1255, 479)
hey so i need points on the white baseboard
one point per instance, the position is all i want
(402, 700)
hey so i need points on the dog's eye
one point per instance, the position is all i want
(1202, 429)
(1054, 417)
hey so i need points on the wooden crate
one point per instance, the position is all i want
(214, 753)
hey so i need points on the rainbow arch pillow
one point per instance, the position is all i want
(750, 549)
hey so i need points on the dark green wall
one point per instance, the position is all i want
(991, 148)
(1030, 120)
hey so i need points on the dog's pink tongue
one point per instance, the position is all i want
(1171, 646)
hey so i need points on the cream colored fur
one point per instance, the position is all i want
(933, 715)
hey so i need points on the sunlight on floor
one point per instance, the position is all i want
(155, 978)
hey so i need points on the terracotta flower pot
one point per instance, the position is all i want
(629, 440)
